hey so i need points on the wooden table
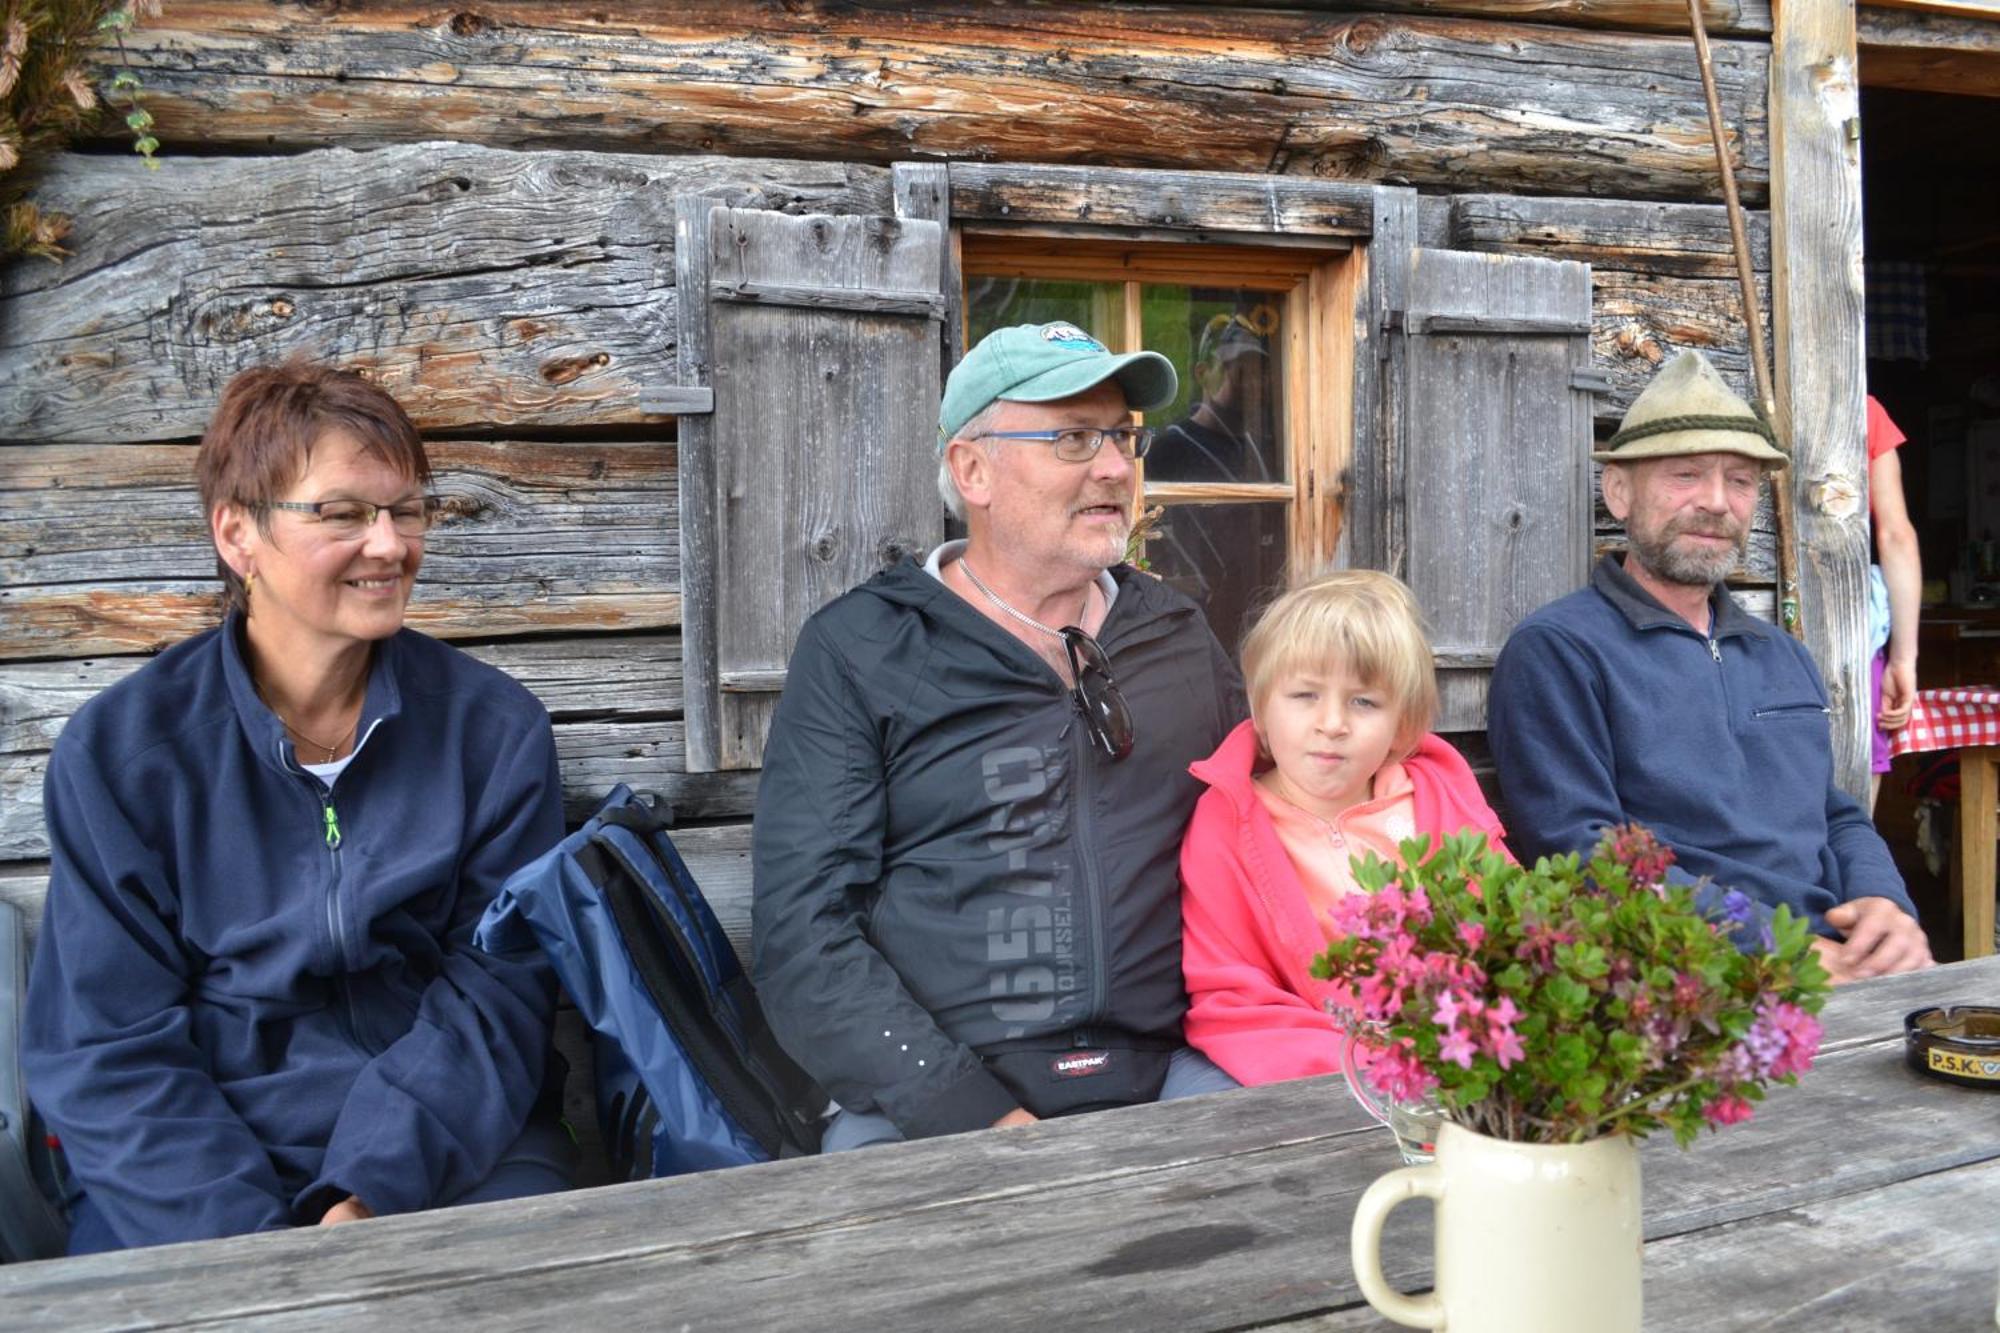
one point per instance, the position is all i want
(1863, 1199)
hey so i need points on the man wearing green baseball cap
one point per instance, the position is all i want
(1652, 697)
(966, 905)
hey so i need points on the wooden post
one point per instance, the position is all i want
(1978, 795)
(1816, 292)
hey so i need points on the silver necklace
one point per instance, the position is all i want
(994, 598)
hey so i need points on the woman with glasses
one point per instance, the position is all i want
(256, 1003)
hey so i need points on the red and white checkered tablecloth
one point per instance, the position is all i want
(1950, 720)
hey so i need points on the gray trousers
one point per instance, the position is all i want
(1189, 1074)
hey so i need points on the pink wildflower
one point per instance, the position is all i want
(1784, 1038)
(1727, 1110)
(1643, 855)
(1472, 933)
(1397, 1073)
(1503, 1013)
(1447, 1012)
(1457, 1048)
(1504, 1045)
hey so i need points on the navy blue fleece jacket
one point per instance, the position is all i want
(239, 1016)
(1607, 707)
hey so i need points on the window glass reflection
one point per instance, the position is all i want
(1228, 424)
(1225, 556)
(1000, 302)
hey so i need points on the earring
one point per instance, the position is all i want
(249, 586)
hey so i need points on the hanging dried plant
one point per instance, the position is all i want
(50, 53)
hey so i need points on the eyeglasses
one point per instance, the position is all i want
(345, 520)
(1096, 695)
(1080, 444)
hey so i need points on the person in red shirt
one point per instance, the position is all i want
(1896, 589)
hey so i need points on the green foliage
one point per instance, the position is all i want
(48, 49)
(1555, 1002)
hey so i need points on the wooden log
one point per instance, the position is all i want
(1257, 205)
(482, 287)
(1684, 240)
(1639, 320)
(1932, 53)
(1720, 16)
(1818, 358)
(105, 550)
(1427, 100)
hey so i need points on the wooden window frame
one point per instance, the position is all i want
(1316, 285)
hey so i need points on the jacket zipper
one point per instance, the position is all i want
(336, 919)
(332, 837)
(1093, 885)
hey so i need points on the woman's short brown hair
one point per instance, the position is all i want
(262, 435)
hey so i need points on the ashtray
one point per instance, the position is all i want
(1957, 1043)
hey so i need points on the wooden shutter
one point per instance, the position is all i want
(821, 338)
(1483, 443)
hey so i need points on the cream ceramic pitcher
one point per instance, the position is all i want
(1531, 1238)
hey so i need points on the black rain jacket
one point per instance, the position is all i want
(943, 862)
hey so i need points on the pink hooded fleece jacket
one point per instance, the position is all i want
(1248, 933)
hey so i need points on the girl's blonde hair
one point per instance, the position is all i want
(1362, 619)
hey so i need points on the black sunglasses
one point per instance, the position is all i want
(1096, 695)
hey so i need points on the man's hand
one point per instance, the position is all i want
(349, 1209)
(1899, 691)
(1017, 1116)
(1881, 938)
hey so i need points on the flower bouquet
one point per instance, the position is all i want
(1572, 999)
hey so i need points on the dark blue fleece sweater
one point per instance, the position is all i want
(1606, 708)
(254, 997)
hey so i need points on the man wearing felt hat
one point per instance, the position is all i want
(1653, 697)
(966, 904)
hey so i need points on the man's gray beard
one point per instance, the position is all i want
(1690, 569)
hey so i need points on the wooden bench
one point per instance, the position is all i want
(719, 858)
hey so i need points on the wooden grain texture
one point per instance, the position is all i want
(1173, 1215)
(1430, 100)
(1915, 1254)
(1818, 357)
(1493, 452)
(482, 287)
(1686, 240)
(1170, 201)
(823, 438)
(1373, 530)
(1933, 53)
(1663, 278)
(1642, 15)
(548, 536)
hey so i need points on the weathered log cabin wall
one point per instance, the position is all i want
(474, 204)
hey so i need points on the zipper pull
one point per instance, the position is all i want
(332, 827)
(1715, 651)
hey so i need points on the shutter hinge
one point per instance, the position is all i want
(1589, 381)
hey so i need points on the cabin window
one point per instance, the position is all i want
(1264, 392)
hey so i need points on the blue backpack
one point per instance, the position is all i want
(689, 1076)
